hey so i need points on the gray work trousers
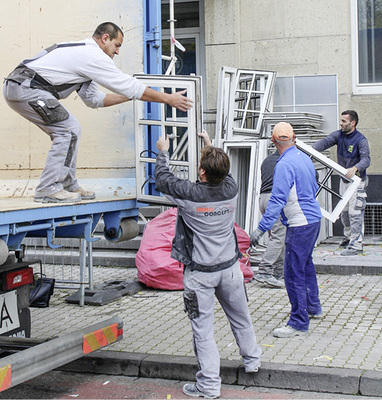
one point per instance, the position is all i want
(272, 262)
(229, 288)
(352, 214)
(60, 166)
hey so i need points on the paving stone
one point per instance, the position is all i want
(154, 322)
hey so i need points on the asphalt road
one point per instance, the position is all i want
(65, 385)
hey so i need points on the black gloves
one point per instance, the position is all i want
(255, 237)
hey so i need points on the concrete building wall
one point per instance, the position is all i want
(107, 143)
(293, 37)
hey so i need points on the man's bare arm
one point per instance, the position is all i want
(177, 100)
(206, 138)
(113, 99)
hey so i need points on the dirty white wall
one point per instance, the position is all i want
(107, 143)
(293, 37)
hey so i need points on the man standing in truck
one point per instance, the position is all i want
(36, 85)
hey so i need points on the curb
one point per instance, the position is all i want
(361, 269)
(270, 375)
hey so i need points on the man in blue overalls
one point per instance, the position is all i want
(294, 198)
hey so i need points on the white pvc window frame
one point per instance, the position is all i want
(251, 99)
(258, 151)
(226, 89)
(182, 167)
(333, 167)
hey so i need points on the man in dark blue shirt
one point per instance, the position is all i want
(353, 153)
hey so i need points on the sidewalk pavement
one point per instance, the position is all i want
(341, 354)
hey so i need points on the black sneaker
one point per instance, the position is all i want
(190, 389)
(344, 243)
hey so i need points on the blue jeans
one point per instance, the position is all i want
(300, 274)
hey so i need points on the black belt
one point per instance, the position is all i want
(213, 268)
(38, 82)
(22, 72)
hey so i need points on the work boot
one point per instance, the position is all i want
(344, 243)
(190, 389)
(63, 196)
(85, 194)
(287, 332)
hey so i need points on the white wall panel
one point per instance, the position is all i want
(107, 143)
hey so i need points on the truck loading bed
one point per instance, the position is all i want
(22, 203)
(21, 217)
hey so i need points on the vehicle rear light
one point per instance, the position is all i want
(18, 278)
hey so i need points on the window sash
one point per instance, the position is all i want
(184, 154)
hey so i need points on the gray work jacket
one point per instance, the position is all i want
(205, 238)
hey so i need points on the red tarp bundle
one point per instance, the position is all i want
(157, 269)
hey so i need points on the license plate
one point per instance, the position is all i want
(9, 316)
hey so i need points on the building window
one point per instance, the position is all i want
(316, 94)
(367, 46)
(189, 31)
(186, 14)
